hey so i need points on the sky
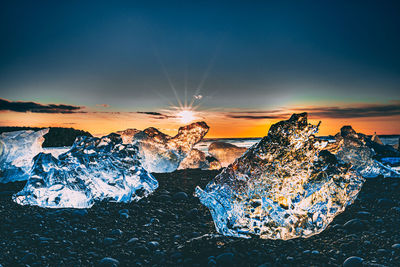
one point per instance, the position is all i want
(241, 66)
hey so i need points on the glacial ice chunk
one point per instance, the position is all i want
(284, 187)
(17, 150)
(162, 153)
(94, 169)
(195, 160)
(225, 153)
(359, 150)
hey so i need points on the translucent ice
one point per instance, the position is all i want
(359, 150)
(17, 150)
(284, 187)
(162, 153)
(225, 153)
(128, 134)
(94, 169)
(195, 160)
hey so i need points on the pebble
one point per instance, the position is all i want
(132, 241)
(111, 262)
(116, 232)
(29, 258)
(396, 246)
(385, 203)
(355, 225)
(353, 261)
(108, 241)
(225, 259)
(180, 196)
(153, 245)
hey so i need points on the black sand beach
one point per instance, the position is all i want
(172, 228)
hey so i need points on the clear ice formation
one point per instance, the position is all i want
(94, 169)
(284, 187)
(17, 150)
(225, 153)
(359, 150)
(162, 153)
(195, 160)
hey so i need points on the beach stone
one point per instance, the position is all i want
(108, 241)
(385, 203)
(124, 215)
(29, 258)
(225, 259)
(108, 261)
(396, 246)
(355, 225)
(132, 241)
(116, 232)
(353, 261)
(180, 196)
(124, 211)
(153, 245)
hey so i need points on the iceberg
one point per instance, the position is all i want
(225, 153)
(94, 169)
(162, 153)
(359, 150)
(17, 150)
(286, 186)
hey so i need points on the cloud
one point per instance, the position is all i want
(360, 111)
(103, 105)
(156, 115)
(331, 112)
(255, 117)
(20, 106)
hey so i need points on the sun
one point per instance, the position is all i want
(186, 115)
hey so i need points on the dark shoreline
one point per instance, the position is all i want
(176, 230)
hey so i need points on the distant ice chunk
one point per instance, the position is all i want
(94, 169)
(162, 153)
(195, 160)
(17, 150)
(284, 187)
(359, 150)
(225, 153)
(128, 134)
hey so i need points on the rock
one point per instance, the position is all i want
(108, 241)
(79, 212)
(353, 262)
(109, 262)
(396, 246)
(180, 196)
(132, 241)
(164, 198)
(29, 258)
(141, 249)
(124, 211)
(116, 232)
(124, 215)
(355, 225)
(153, 245)
(225, 259)
(385, 203)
